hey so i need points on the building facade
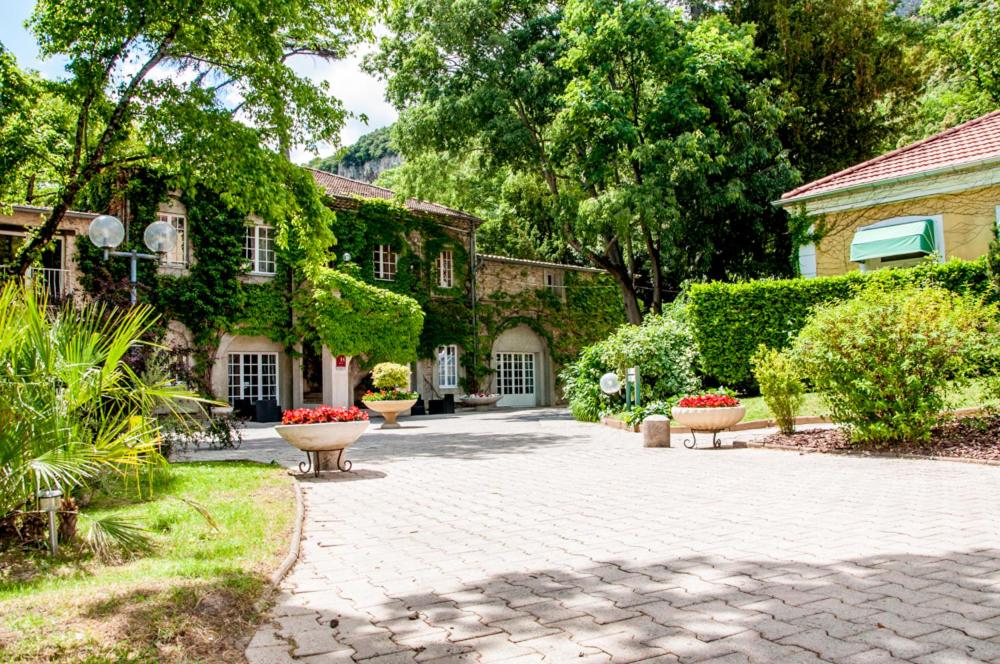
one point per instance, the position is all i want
(520, 318)
(938, 197)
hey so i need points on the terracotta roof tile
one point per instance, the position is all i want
(968, 143)
(346, 188)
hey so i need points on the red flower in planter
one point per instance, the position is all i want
(323, 414)
(709, 401)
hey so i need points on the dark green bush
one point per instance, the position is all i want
(885, 360)
(663, 349)
(730, 320)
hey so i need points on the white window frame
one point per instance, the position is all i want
(889, 262)
(446, 268)
(807, 260)
(384, 262)
(240, 387)
(178, 256)
(258, 249)
(447, 366)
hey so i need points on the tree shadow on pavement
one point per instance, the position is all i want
(882, 608)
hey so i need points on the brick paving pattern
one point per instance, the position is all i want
(526, 537)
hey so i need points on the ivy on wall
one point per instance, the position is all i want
(345, 308)
(591, 309)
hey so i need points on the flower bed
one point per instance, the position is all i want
(392, 394)
(323, 415)
(710, 400)
(975, 438)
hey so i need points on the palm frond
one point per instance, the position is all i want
(114, 537)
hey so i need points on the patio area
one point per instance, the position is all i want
(523, 536)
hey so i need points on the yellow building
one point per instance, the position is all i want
(937, 197)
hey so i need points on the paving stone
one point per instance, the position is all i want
(269, 655)
(535, 538)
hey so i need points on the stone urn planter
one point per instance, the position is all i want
(708, 419)
(709, 413)
(390, 410)
(323, 436)
(480, 401)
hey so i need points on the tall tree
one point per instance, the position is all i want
(962, 64)
(651, 135)
(848, 68)
(204, 87)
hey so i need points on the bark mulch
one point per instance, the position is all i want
(974, 438)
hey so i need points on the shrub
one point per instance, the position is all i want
(730, 320)
(883, 360)
(581, 385)
(390, 394)
(663, 349)
(638, 414)
(780, 385)
(389, 375)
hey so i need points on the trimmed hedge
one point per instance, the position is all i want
(731, 320)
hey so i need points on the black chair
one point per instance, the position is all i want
(418, 408)
(243, 408)
(449, 404)
(267, 410)
(436, 406)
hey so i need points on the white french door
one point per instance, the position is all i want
(515, 379)
(253, 376)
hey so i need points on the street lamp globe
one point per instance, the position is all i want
(106, 231)
(160, 237)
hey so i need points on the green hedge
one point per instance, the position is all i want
(731, 320)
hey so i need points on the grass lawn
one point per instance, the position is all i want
(973, 395)
(195, 596)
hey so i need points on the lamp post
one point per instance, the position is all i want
(107, 232)
(50, 500)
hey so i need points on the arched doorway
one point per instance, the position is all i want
(521, 367)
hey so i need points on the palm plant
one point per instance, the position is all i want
(71, 408)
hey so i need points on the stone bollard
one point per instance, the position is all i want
(656, 431)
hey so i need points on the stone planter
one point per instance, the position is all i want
(221, 411)
(481, 403)
(325, 437)
(390, 410)
(708, 419)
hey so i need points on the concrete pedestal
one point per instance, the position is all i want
(656, 431)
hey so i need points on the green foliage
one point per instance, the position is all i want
(883, 360)
(961, 67)
(663, 349)
(847, 68)
(638, 414)
(390, 375)
(780, 385)
(370, 147)
(730, 320)
(71, 408)
(359, 319)
(650, 145)
(581, 385)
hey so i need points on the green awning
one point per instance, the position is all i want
(908, 238)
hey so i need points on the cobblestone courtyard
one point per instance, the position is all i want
(526, 537)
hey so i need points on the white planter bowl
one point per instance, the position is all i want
(390, 410)
(708, 419)
(481, 402)
(326, 437)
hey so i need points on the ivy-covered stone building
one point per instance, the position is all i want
(234, 305)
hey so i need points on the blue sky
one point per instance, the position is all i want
(361, 93)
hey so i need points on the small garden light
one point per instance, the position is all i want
(50, 500)
(610, 383)
(107, 232)
(347, 257)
